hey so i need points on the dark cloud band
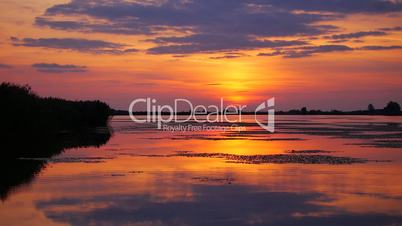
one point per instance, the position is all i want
(215, 26)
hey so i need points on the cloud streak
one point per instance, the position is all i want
(312, 50)
(380, 47)
(5, 66)
(307, 51)
(214, 43)
(74, 44)
(359, 34)
(229, 56)
(398, 28)
(340, 6)
(59, 68)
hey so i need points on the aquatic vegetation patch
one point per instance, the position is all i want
(220, 180)
(273, 159)
(278, 158)
(308, 151)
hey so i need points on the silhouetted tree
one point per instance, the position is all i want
(392, 108)
(371, 108)
(304, 110)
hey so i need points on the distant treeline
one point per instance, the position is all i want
(23, 110)
(392, 108)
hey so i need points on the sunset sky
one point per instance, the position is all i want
(326, 54)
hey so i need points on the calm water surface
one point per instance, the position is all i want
(144, 176)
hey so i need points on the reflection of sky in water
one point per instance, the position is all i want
(127, 189)
(212, 205)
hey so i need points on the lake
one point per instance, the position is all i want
(314, 170)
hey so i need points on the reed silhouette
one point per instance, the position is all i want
(23, 109)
